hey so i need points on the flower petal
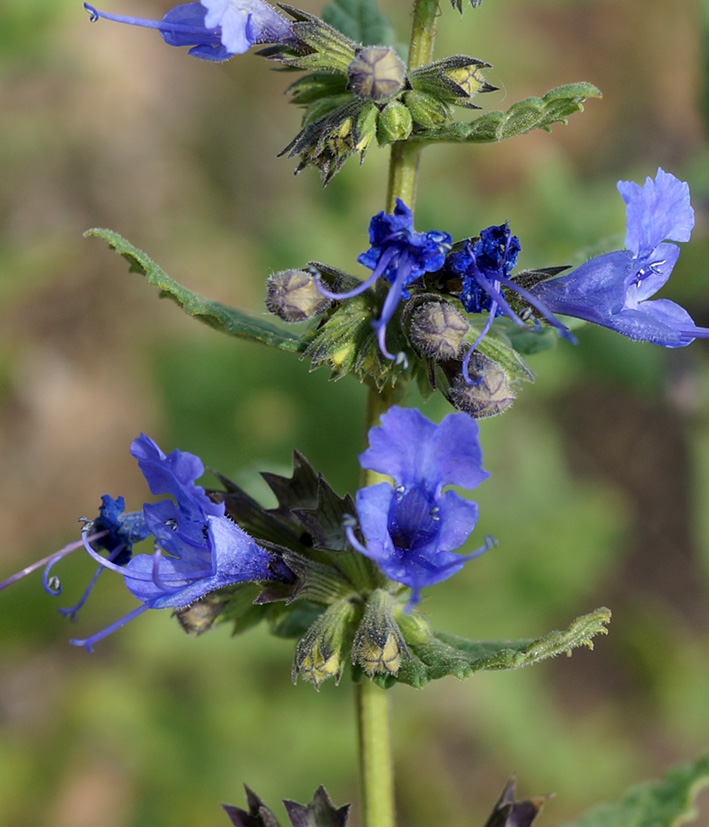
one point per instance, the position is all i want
(656, 212)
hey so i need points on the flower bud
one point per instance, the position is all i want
(437, 330)
(376, 73)
(394, 123)
(426, 111)
(490, 395)
(379, 645)
(293, 296)
(322, 652)
(454, 79)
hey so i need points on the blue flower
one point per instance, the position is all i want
(400, 255)
(411, 529)
(484, 265)
(613, 290)
(198, 549)
(216, 29)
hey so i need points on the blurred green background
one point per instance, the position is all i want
(599, 474)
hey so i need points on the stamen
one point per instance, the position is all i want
(382, 265)
(405, 266)
(177, 579)
(88, 642)
(179, 28)
(353, 541)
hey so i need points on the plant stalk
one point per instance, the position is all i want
(376, 767)
(405, 155)
(375, 758)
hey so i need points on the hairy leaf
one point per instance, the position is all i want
(216, 315)
(443, 654)
(521, 117)
(667, 802)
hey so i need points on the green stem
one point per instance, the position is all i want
(404, 163)
(376, 766)
(376, 769)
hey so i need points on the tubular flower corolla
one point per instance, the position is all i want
(411, 528)
(215, 29)
(198, 549)
(484, 265)
(400, 255)
(613, 290)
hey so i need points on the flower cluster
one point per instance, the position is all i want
(411, 528)
(444, 284)
(215, 29)
(198, 549)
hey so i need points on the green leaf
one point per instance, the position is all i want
(667, 802)
(528, 114)
(443, 654)
(361, 21)
(216, 315)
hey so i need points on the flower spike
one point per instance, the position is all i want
(215, 29)
(614, 290)
(411, 529)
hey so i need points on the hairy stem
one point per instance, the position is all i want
(376, 769)
(404, 163)
(376, 766)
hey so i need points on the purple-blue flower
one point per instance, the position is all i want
(216, 29)
(614, 290)
(411, 528)
(400, 255)
(198, 549)
(484, 265)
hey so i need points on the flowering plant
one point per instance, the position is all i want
(348, 578)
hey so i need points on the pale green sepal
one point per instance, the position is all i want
(216, 315)
(443, 654)
(668, 802)
(324, 650)
(394, 123)
(379, 645)
(361, 21)
(532, 113)
(319, 47)
(455, 79)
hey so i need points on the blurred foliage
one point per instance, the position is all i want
(599, 479)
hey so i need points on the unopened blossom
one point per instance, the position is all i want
(198, 549)
(399, 255)
(614, 290)
(215, 29)
(412, 527)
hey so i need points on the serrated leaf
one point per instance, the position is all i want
(521, 117)
(325, 521)
(445, 654)
(361, 21)
(258, 815)
(300, 490)
(216, 315)
(667, 802)
(260, 523)
(321, 812)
